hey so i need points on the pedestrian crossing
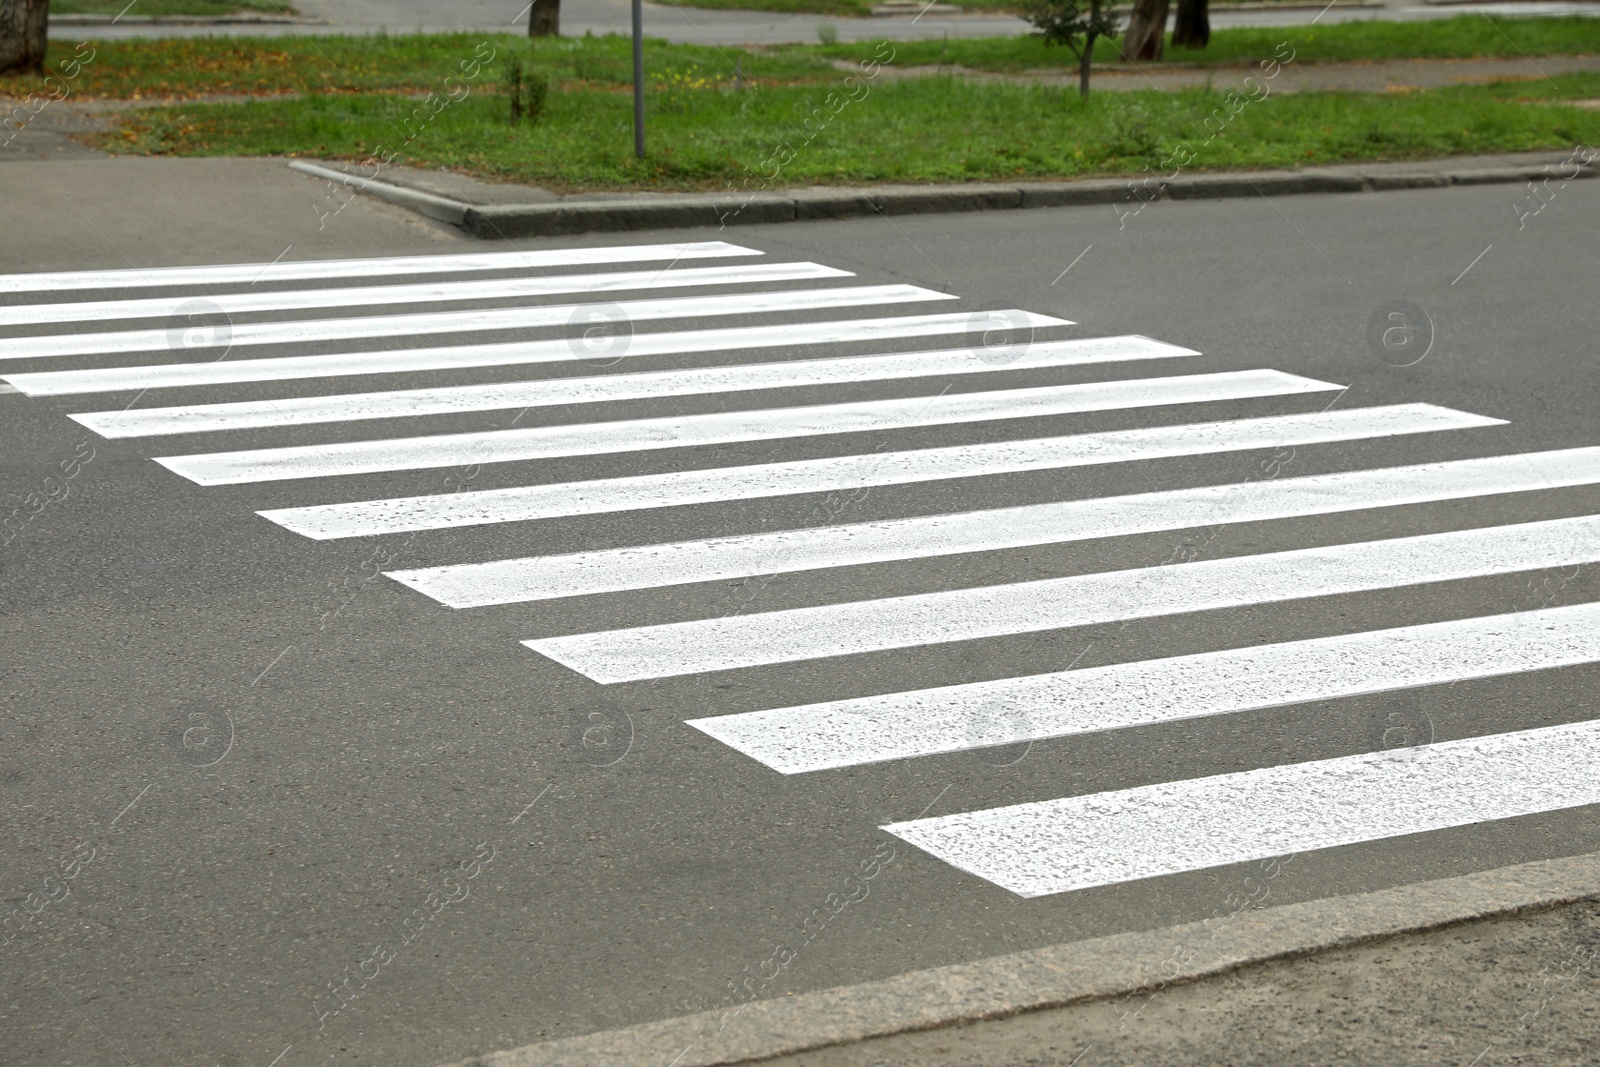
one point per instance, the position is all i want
(420, 293)
(319, 331)
(364, 327)
(399, 403)
(369, 518)
(634, 435)
(1060, 603)
(413, 360)
(924, 537)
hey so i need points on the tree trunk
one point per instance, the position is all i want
(544, 18)
(1193, 26)
(1147, 29)
(24, 29)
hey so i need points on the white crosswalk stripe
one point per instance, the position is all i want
(368, 518)
(439, 322)
(594, 390)
(323, 270)
(1105, 838)
(466, 357)
(1032, 848)
(632, 435)
(381, 296)
(844, 733)
(717, 559)
(1057, 603)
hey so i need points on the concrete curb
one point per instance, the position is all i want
(716, 209)
(434, 207)
(1065, 974)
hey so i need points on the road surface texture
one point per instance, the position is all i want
(410, 659)
(691, 25)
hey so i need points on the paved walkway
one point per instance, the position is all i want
(700, 26)
(1377, 76)
(1515, 990)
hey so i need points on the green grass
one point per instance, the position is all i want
(185, 68)
(169, 7)
(1461, 37)
(931, 129)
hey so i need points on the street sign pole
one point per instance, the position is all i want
(638, 78)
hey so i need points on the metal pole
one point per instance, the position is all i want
(638, 78)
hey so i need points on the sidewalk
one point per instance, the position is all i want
(1372, 76)
(690, 25)
(1487, 968)
(1516, 990)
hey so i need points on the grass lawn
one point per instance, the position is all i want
(192, 67)
(185, 68)
(170, 7)
(353, 97)
(930, 129)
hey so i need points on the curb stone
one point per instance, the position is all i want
(653, 211)
(1059, 975)
(434, 207)
(647, 211)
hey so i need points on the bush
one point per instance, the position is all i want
(528, 90)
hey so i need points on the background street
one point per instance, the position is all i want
(279, 756)
(693, 25)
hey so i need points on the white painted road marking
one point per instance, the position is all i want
(924, 537)
(1032, 848)
(368, 518)
(381, 297)
(1055, 846)
(925, 722)
(313, 270)
(295, 411)
(1083, 600)
(456, 357)
(631, 435)
(247, 335)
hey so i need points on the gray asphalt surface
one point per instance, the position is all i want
(692, 25)
(275, 757)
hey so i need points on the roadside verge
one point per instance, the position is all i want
(648, 211)
(1065, 974)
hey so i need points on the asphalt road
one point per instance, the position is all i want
(692, 25)
(252, 767)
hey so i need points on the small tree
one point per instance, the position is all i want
(24, 29)
(1147, 30)
(544, 18)
(1070, 22)
(1193, 26)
